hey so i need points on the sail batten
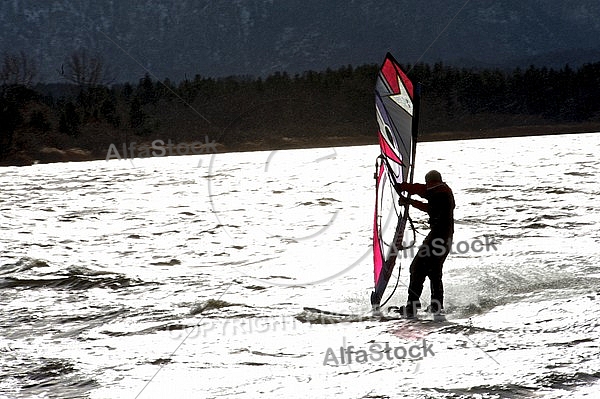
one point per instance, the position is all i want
(396, 112)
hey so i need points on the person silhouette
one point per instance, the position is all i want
(429, 260)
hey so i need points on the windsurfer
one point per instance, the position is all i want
(435, 248)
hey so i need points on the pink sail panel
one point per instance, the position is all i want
(388, 151)
(377, 247)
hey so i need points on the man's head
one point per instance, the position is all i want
(432, 177)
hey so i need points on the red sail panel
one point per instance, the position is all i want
(395, 77)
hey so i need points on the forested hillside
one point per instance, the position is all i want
(42, 122)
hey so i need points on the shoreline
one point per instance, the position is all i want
(52, 155)
(348, 141)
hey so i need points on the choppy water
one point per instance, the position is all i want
(187, 276)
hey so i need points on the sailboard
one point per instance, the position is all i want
(319, 316)
(397, 112)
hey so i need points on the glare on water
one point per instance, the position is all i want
(187, 276)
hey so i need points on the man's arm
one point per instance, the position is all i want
(422, 206)
(412, 188)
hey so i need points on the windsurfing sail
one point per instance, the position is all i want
(397, 105)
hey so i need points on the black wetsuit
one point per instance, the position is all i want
(435, 248)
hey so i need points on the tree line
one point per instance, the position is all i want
(90, 112)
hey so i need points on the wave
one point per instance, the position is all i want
(39, 376)
(479, 190)
(472, 309)
(537, 226)
(70, 282)
(567, 381)
(24, 274)
(215, 304)
(507, 391)
(22, 265)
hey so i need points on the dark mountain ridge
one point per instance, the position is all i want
(181, 38)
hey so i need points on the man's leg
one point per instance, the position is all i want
(418, 273)
(435, 278)
(437, 290)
